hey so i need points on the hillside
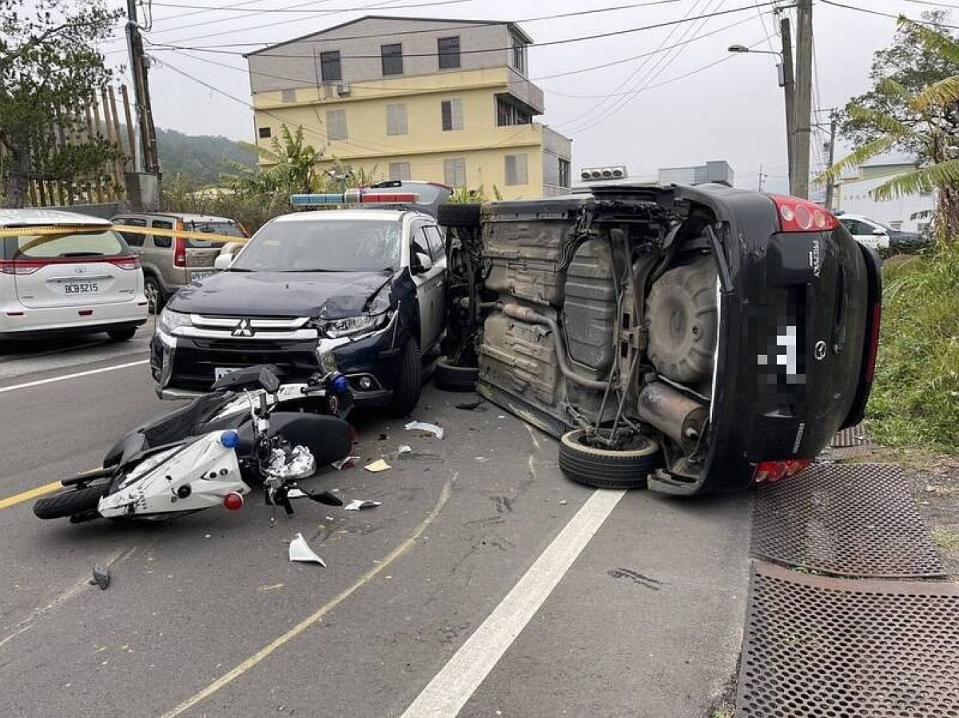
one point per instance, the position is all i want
(200, 159)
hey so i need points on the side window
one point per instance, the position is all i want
(437, 245)
(418, 241)
(134, 240)
(159, 241)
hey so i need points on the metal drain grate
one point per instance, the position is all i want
(817, 646)
(853, 436)
(850, 520)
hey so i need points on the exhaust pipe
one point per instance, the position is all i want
(679, 417)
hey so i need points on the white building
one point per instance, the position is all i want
(853, 194)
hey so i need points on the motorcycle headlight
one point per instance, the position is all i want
(351, 326)
(170, 320)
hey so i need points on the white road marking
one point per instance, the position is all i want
(77, 375)
(452, 687)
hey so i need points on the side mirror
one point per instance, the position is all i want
(421, 262)
(269, 380)
(222, 261)
(879, 232)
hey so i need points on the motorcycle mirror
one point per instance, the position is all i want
(269, 380)
(327, 498)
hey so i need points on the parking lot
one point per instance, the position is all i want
(431, 597)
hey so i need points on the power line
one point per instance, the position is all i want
(881, 14)
(565, 41)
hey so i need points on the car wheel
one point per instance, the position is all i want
(455, 378)
(459, 215)
(406, 391)
(122, 335)
(606, 468)
(154, 294)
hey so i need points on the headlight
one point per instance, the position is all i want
(351, 326)
(170, 320)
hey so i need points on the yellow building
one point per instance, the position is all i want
(403, 98)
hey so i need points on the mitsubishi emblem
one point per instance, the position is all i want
(243, 328)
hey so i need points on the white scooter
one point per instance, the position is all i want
(214, 451)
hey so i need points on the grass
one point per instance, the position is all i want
(915, 398)
(947, 541)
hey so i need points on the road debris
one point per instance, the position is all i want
(482, 459)
(295, 493)
(377, 466)
(301, 551)
(357, 504)
(346, 463)
(101, 577)
(405, 449)
(469, 405)
(435, 430)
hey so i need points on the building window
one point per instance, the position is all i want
(452, 111)
(330, 69)
(265, 133)
(516, 169)
(564, 173)
(336, 125)
(400, 171)
(449, 52)
(509, 114)
(518, 56)
(396, 120)
(454, 172)
(288, 96)
(392, 57)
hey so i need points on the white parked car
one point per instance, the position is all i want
(868, 232)
(84, 279)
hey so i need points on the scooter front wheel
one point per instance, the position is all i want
(71, 502)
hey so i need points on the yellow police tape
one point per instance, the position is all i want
(52, 230)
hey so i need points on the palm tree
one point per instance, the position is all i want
(932, 113)
(291, 165)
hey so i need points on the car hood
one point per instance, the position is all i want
(332, 295)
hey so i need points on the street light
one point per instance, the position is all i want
(743, 48)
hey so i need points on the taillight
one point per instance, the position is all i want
(129, 263)
(381, 197)
(873, 352)
(771, 471)
(233, 501)
(800, 215)
(20, 266)
(179, 248)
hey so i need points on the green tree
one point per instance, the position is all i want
(291, 166)
(50, 69)
(914, 107)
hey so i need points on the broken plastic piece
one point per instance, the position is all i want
(435, 430)
(376, 466)
(357, 504)
(101, 577)
(406, 449)
(295, 494)
(344, 463)
(301, 551)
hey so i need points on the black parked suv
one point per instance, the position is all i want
(688, 339)
(366, 283)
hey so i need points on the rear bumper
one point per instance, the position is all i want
(53, 321)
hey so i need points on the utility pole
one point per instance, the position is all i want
(148, 161)
(803, 98)
(789, 87)
(761, 178)
(833, 124)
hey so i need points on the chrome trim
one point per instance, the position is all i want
(177, 393)
(200, 320)
(262, 335)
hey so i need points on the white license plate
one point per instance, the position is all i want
(201, 275)
(220, 372)
(73, 288)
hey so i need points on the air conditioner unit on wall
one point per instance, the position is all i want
(343, 88)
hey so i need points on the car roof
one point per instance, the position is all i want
(35, 217)
(394, 215)
(182, 216)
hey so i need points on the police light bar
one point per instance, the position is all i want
(352, 196)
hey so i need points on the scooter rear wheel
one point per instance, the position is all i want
(68, 503)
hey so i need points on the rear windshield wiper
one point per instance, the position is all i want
(82, 254)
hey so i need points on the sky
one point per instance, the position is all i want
(695, 103)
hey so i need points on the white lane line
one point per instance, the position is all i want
(77, 375)
(449, 690)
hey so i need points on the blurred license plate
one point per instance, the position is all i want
(80, 288)
(201, 275)
(220, 372)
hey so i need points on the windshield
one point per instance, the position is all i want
(70, 243)
(323, 245)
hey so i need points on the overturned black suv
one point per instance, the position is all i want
(689, 339)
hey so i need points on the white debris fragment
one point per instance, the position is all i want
(295, 494)
(344, 463)
(405, 449)
(377, 466)
(357, 504)
(435, 430)
(301, 551)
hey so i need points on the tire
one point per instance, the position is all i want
(71, 502)
(406, 392)
(122, 335)
(605, 468)
(459, 215)
(455, 378)
(154, 293)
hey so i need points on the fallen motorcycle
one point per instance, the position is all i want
(250, 431)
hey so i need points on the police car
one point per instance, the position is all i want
(368, 278)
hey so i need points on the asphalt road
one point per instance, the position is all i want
(485, 581)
